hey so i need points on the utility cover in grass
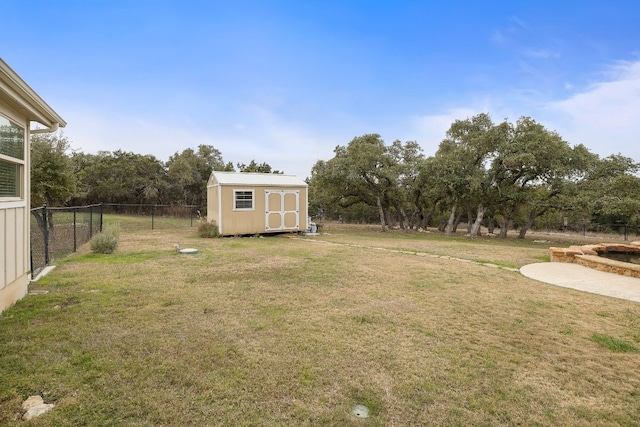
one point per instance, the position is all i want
(187, 251)
(360, 411)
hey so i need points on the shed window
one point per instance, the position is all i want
(11, 158)
(243, 199)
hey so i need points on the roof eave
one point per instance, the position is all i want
(30, 103)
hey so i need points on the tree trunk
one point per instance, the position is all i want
(403, 218)
(533, 214)
(412, 220)
(427, 218)
(491, 224)
(383, 223)
(391, 221)
(475, 230)
(469, 221)
(419, 214)
(40, 220)
(457, 221)
(452, 217)
(504, 227)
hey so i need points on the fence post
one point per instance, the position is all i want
(46, 234)
(90, 221)
(101, 216)
(152, 216)
(625, 233)
(75, 235)
(31, 259)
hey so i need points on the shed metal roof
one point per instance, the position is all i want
(257, 179)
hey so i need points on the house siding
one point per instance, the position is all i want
(14, 227)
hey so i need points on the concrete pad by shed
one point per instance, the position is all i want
(585, 279)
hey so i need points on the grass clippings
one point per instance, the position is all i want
(276, 331)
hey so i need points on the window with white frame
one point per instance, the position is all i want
(243, 199)
(11, 159)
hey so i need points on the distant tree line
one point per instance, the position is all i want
(60, 176)
(504, 175)
(483, 175)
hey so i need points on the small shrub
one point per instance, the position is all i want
(107, 241)
(208, 229)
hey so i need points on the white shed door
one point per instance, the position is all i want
(282, 210)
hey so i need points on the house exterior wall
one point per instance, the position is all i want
(220, 208)
(14, 227)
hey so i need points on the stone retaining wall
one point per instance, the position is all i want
(587, 255)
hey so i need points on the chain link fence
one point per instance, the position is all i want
(56, 232)
(620, 231)
(606, 231)
(154, 217)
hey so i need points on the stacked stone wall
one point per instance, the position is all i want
(587, 255)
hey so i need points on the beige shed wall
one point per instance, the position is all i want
(212, 205)
(233, 221)
(14, 229)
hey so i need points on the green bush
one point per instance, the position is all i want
(107, 241)
(208, 229)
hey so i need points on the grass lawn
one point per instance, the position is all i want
(284, 331)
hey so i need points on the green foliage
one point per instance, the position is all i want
(366, 178)
(257, 168)
(107, 241)
(208, 229)
(506, 175)
(189, 171)
(119, 177)
(52, 176)
(126, 177)
(614, 344)
(610, 192)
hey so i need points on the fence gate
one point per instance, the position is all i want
(282, 210)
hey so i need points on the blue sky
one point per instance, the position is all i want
(284, 82)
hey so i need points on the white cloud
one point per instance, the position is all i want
(430, 130)
(93, 131)
(606, 116)
(261, 134)
(289, 146)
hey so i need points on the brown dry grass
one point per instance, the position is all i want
(281, 331)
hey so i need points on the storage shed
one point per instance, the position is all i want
(250, 203)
